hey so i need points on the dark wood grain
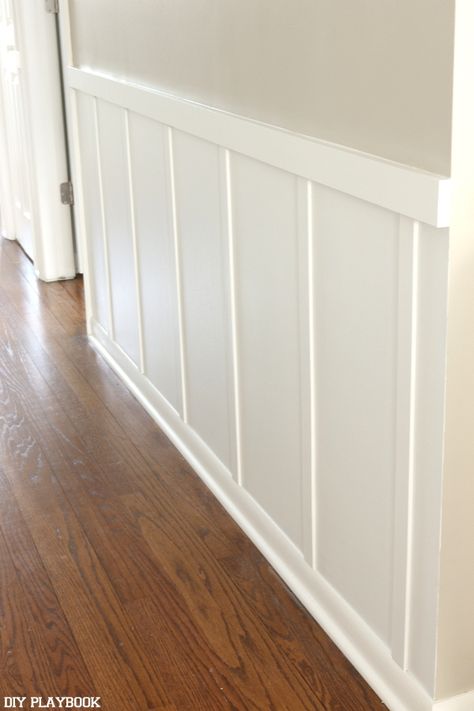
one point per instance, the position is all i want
(121, 575)
(30, 609)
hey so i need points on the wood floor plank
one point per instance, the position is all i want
(224, 620)
(111, 650)
(35, 635)
(171, 648)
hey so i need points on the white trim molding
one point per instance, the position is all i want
(462, 702)
(407, 191)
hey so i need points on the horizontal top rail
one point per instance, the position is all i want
(417, 194)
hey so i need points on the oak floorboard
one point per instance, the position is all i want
(111, 650)
(37, 643)
(150, 593)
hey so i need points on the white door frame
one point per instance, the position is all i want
(67, 60)
(53, 251)
(16, 199)
(7, 220)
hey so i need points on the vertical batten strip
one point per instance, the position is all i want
(234, 312)
(412, 440)
(304, 238)
(226, 229)
(312, 368)
(406, 354)
(177, 257)
(111, 329)
(136, 261)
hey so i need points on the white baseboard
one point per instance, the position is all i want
(398, 690)
(462, 702)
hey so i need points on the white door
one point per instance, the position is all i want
(34, 131)
(16, 128)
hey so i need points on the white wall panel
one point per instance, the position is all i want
(269, 340)
(356, 279)
(288, 323)
(92, 208)
(204, 263)
(118, 227)
(428, 451)
(156, 255)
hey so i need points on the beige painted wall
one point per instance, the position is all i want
(456, 602)
(375, 75)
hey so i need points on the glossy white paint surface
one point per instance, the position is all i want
(456, 633)
(156, 256)
(118, 226)
(292, 342)
(91, 198)
(356, 279)
(204, 264)
(428, 452)
(417, 194)
(264, 214)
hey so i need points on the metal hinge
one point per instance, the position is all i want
(67, 193)
(52, 6)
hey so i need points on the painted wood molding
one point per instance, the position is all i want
(407, 191)
(462, 702)
(282, 329)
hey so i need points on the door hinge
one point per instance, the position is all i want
(52, 6)
(67, 193)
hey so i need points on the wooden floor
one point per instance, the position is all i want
(120, 575)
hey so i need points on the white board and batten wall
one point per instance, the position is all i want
(279, 305)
